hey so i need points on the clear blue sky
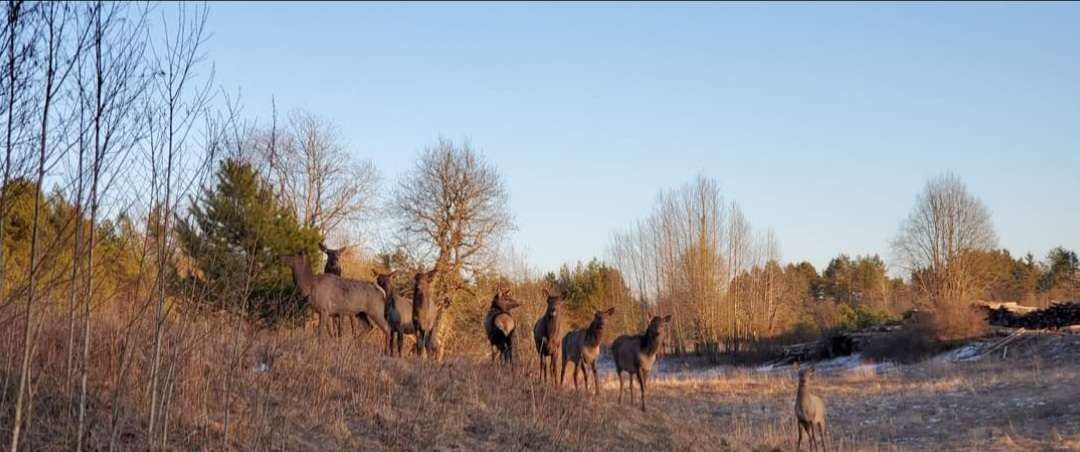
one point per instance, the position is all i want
(822, 120)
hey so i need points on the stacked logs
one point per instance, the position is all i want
(1058, 315)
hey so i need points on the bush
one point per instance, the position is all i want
(910, 344)
(950, 322)
(861, 317)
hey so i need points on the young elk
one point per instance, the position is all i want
(499, 325)
(547, 333)
(424, 309)
(582, 347)
(636, 354)
(809, 411)
(399, 312)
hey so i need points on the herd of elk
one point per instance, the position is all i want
(379, 304)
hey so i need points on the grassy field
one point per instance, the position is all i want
(286, 390)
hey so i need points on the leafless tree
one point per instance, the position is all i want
(454, 206)
(934, 241)
(110, 88)
(60, 44)
(315, 175)
(181, 96)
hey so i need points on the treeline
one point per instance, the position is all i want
(136, 199)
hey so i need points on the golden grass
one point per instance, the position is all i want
(238, 389)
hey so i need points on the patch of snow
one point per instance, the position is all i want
(969, 352)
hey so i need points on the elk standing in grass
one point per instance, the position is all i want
(499, 325)
(333, 267)
(399, 312)
(547, 333)
(331, 295)
(636, 354)
(582, 347)
(424, 309)
(809, 411)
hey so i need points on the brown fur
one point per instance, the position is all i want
(333, 267)
(424, 309)
(399, 312)
(582, 347)
(547, 333)
(331, 295)
(499, 325)
(636, 354)
(809, 412)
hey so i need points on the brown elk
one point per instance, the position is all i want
(331, 295)
(582, 347)
(809, 411)
(333, 267)
(424, 309)
(333, 259)
(636, 354)
(547, 333)
(399, 312)
(499, 325)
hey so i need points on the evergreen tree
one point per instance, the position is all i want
(235, 234)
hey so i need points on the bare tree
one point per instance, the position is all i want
(181, 97)
(936, 239)
(454, 206)
(315, 175)
(61, 43)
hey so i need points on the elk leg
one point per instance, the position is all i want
(596, 379)
(619, 373)
(576, 368)
(585, 374)
(799, 427)
(562, 376)
(641, 382)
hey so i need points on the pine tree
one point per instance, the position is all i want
(236, 232)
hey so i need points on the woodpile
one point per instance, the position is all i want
(1058, 315)
(837, 344)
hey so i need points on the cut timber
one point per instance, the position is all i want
(1058, 315)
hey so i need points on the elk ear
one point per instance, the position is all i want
(610, 311)
(322, 246)
(374, 273)
(393, 273)
(667, 318)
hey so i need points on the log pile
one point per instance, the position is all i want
(1058, 315)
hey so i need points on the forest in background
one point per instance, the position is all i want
(137, 198)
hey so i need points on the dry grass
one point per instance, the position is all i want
(285, 390)
(1027, 402)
